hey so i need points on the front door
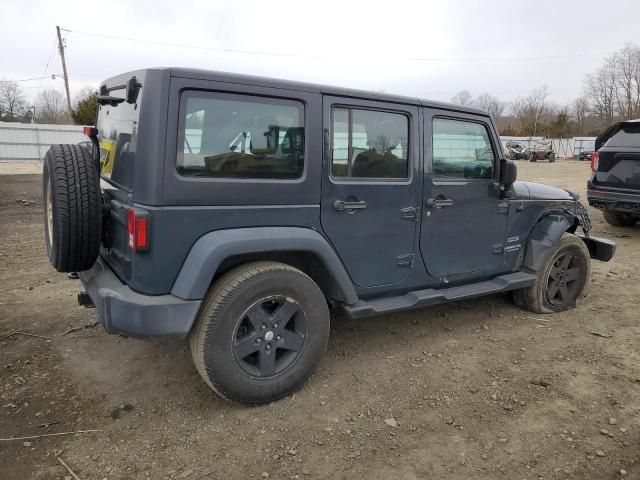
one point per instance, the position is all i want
(371, 188)
(464, 220)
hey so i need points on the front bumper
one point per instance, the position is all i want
(599, 248)
(123, 311)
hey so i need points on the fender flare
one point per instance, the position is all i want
(210, 250)
(543, 238)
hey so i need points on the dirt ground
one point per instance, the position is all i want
(473, 390)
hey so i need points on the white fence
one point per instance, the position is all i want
(564, 147)
(29, 142)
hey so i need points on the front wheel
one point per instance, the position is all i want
(260, 333)
(562, 283)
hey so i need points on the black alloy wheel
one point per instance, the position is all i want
(269, 336)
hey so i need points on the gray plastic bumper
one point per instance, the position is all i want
(123, 311)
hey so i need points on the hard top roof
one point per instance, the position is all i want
(200, 74)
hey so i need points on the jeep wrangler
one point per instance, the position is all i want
(236, 211)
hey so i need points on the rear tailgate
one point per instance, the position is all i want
(619, 158)
(619, 169)
(117, 133)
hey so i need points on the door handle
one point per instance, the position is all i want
(341, 205)
(439, 202)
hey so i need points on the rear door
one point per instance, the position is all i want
(464, 221)
(118, 130)
(619, 162)
(371, 188)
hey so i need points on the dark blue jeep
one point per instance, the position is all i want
(237, 211)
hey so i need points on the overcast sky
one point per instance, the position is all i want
(422, 48)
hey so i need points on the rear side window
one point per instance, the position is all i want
(238, 136)
(369, 144)
(461, 149)
(627, 136)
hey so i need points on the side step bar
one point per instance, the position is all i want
(430, 296)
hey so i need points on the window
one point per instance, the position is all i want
(118, 134)
(233, 136)
(369, 144)
(627, 136)
(461, 150)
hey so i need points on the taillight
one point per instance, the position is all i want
(595, 157)
(90, 131)
(137, 230)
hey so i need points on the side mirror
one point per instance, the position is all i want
(508, 172)
(132, 89)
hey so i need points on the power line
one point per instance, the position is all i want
(52, 77)
(46, 67)
(196, 47)
(25, 79)
(302, 55)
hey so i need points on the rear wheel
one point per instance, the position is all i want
(260, 333)
(562, 283)
(619, 219)
(72, 207)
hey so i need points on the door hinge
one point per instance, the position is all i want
(503, 208)
(409, 213)
(405, 260)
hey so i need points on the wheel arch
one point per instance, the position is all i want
(544, 237)
(217, 252)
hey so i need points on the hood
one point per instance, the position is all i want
(540, 191)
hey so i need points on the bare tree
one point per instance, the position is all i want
(491, 104)
(463, 97)
(626, 63)
(579, 110)
(533, 110)
(51, 107)
(12, 101)
(600, 90)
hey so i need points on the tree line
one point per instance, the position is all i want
(49, 106)
(610, 94)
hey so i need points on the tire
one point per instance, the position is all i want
(619, 219)
(237, 356)
(540, 298)
(72, 208)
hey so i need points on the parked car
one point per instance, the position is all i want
(541, 152)
(614, 186)
(585, 155)
(515, 151)
(334, 198)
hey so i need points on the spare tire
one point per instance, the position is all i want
(72, 207)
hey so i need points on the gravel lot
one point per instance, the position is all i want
(478, 389)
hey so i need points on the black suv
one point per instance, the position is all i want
(614, 186)
(237, 211)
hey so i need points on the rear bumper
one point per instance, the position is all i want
(123, 311)
(608, 199)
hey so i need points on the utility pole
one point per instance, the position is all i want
(64, 70)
